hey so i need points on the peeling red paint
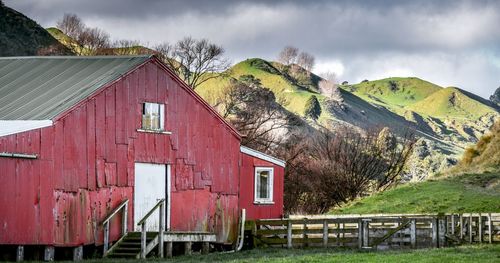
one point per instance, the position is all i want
(85, 165)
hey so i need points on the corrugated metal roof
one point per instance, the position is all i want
(40, 88)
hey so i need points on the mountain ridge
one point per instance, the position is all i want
(21, 36)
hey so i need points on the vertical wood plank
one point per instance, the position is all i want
(91, 146)
(452, 224)
(289, 234)
(110, 126)
(360, 233)
(78, 253)
(187, 248)
(470, 228)
(20, 253)
(161, 229)
(106, 238)
(435, 232)
(442, 231)
(169, 249)
(366, 233)
(413, 233)
(462, 229)
(143, 241)
(480, 228)
(306, 240)
(48, 253)
(490, 229)
(205, 249)
(325, 233)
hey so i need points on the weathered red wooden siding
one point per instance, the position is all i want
(247, 189)
(86, 164)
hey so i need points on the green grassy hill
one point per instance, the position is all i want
(357, 111)
(21, 36)
(451, 103)
(394, 93)
(457, 194)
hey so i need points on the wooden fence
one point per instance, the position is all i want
(378, 231)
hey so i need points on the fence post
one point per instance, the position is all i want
(338, 233)
(366, 233)
(461, 227)
(435, 232)
(453, 224)
(161, 230)
(442, 231)
(490, 236)
(124, 219)
(106, 238)
(306, 238)
(480, 228)
(470, 228)
(325, 233)
(20, 253)
(413, 233)
(360, 233)
(143, 240)
(289, 234)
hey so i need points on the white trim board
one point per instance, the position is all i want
(9, 127)
(262, 156)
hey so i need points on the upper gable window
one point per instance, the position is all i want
(153, 116)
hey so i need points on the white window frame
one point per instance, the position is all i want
(161, 110)
(270, 199)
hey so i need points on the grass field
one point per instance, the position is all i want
(478, 253)
(457, 194)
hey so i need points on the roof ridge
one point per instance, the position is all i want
(77, 57)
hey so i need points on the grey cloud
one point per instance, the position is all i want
(364, 35)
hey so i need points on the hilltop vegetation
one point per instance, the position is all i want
(21, 36)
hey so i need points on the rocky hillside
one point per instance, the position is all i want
(447, 120)
(21, 36)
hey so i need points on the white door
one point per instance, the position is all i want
(150, 185)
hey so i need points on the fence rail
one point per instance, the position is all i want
(379, 231)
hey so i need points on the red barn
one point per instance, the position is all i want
(81, 135)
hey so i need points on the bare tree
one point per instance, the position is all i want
(71, 25)
(255, 113)
(129, 47)
(306, 61)
(92, 41)
(340, 166)
(288, 55)
(328, 86)
(87, 41)
(195, 61)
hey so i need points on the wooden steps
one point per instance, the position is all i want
(129, 246)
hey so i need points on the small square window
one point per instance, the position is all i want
(153, 116)
(263, 185)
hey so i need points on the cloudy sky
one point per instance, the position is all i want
(448, 42)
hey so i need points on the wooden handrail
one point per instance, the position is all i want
(123, 205)
(116, 210)
(142, 223)
(144, 218)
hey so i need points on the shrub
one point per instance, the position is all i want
(313, 108)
